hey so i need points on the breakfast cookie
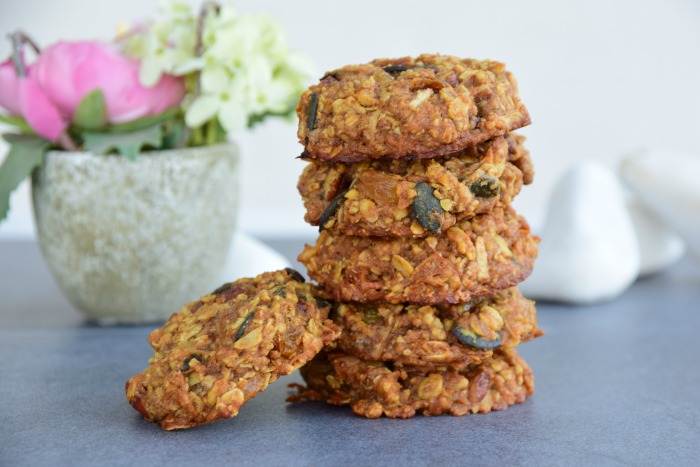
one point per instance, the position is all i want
(422, 107)
(373, 389)
(454, 335)
(472, 259)
(416, 198)
(220, 351)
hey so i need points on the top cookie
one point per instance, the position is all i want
(422, 107)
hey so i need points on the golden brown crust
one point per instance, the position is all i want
(473, 259)
(373, 389)
(422, 107)
(376, 198)
(435, 335)
(220, 351)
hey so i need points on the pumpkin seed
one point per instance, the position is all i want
(394, 70)
(469, 338)
(331, 209)
(426, 208)
(295, 275)
(485, 186)
(222, 288)
(243, 326)
(311, 112)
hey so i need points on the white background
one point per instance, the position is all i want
(601, 78)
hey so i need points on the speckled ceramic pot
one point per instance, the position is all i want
(132, 241)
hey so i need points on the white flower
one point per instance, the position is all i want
(245, 68)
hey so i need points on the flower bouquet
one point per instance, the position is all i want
(133, 176)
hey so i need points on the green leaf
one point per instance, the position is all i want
(175, 134)
(91, 113)
(26, 153)
(127, 144)
(144, 122)
(17, 122)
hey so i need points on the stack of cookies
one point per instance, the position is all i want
(412, 167)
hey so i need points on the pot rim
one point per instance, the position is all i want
(176, 152)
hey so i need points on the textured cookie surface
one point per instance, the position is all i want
(472, 259)
(454, 335)
(422, 107)
(220, 351)
(373, 389)
(414, 198)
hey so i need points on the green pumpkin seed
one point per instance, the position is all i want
(331, 209)
(222, 288)
(295, 275)
(394, 70)
(243, 326)
(486, 186)
(311, 112)
(426, 208)
(472, 340)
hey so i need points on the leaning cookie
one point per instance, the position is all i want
(454, 335)
(473, 259)
(417, 198)
(422, 107)
(373, 389)
(220, 351)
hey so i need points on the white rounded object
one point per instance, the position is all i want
(589, 251)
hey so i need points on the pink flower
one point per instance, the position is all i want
(9, 87)
(67, 71)
(39, 112)
(21, 95)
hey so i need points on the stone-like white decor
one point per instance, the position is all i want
(589, 249)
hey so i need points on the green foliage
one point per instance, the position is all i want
(26, 154)
(128, 144)
(17, 122)
(91, 113)
(145, 122)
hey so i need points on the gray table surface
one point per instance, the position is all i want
(617, 384)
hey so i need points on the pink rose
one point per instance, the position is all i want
(9, 87)
(22, 95)
(67, 71)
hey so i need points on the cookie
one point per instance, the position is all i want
(423, 107)
(373, 389)
(220, 351)
(455, 335)
(414, 198)
(472, 259)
